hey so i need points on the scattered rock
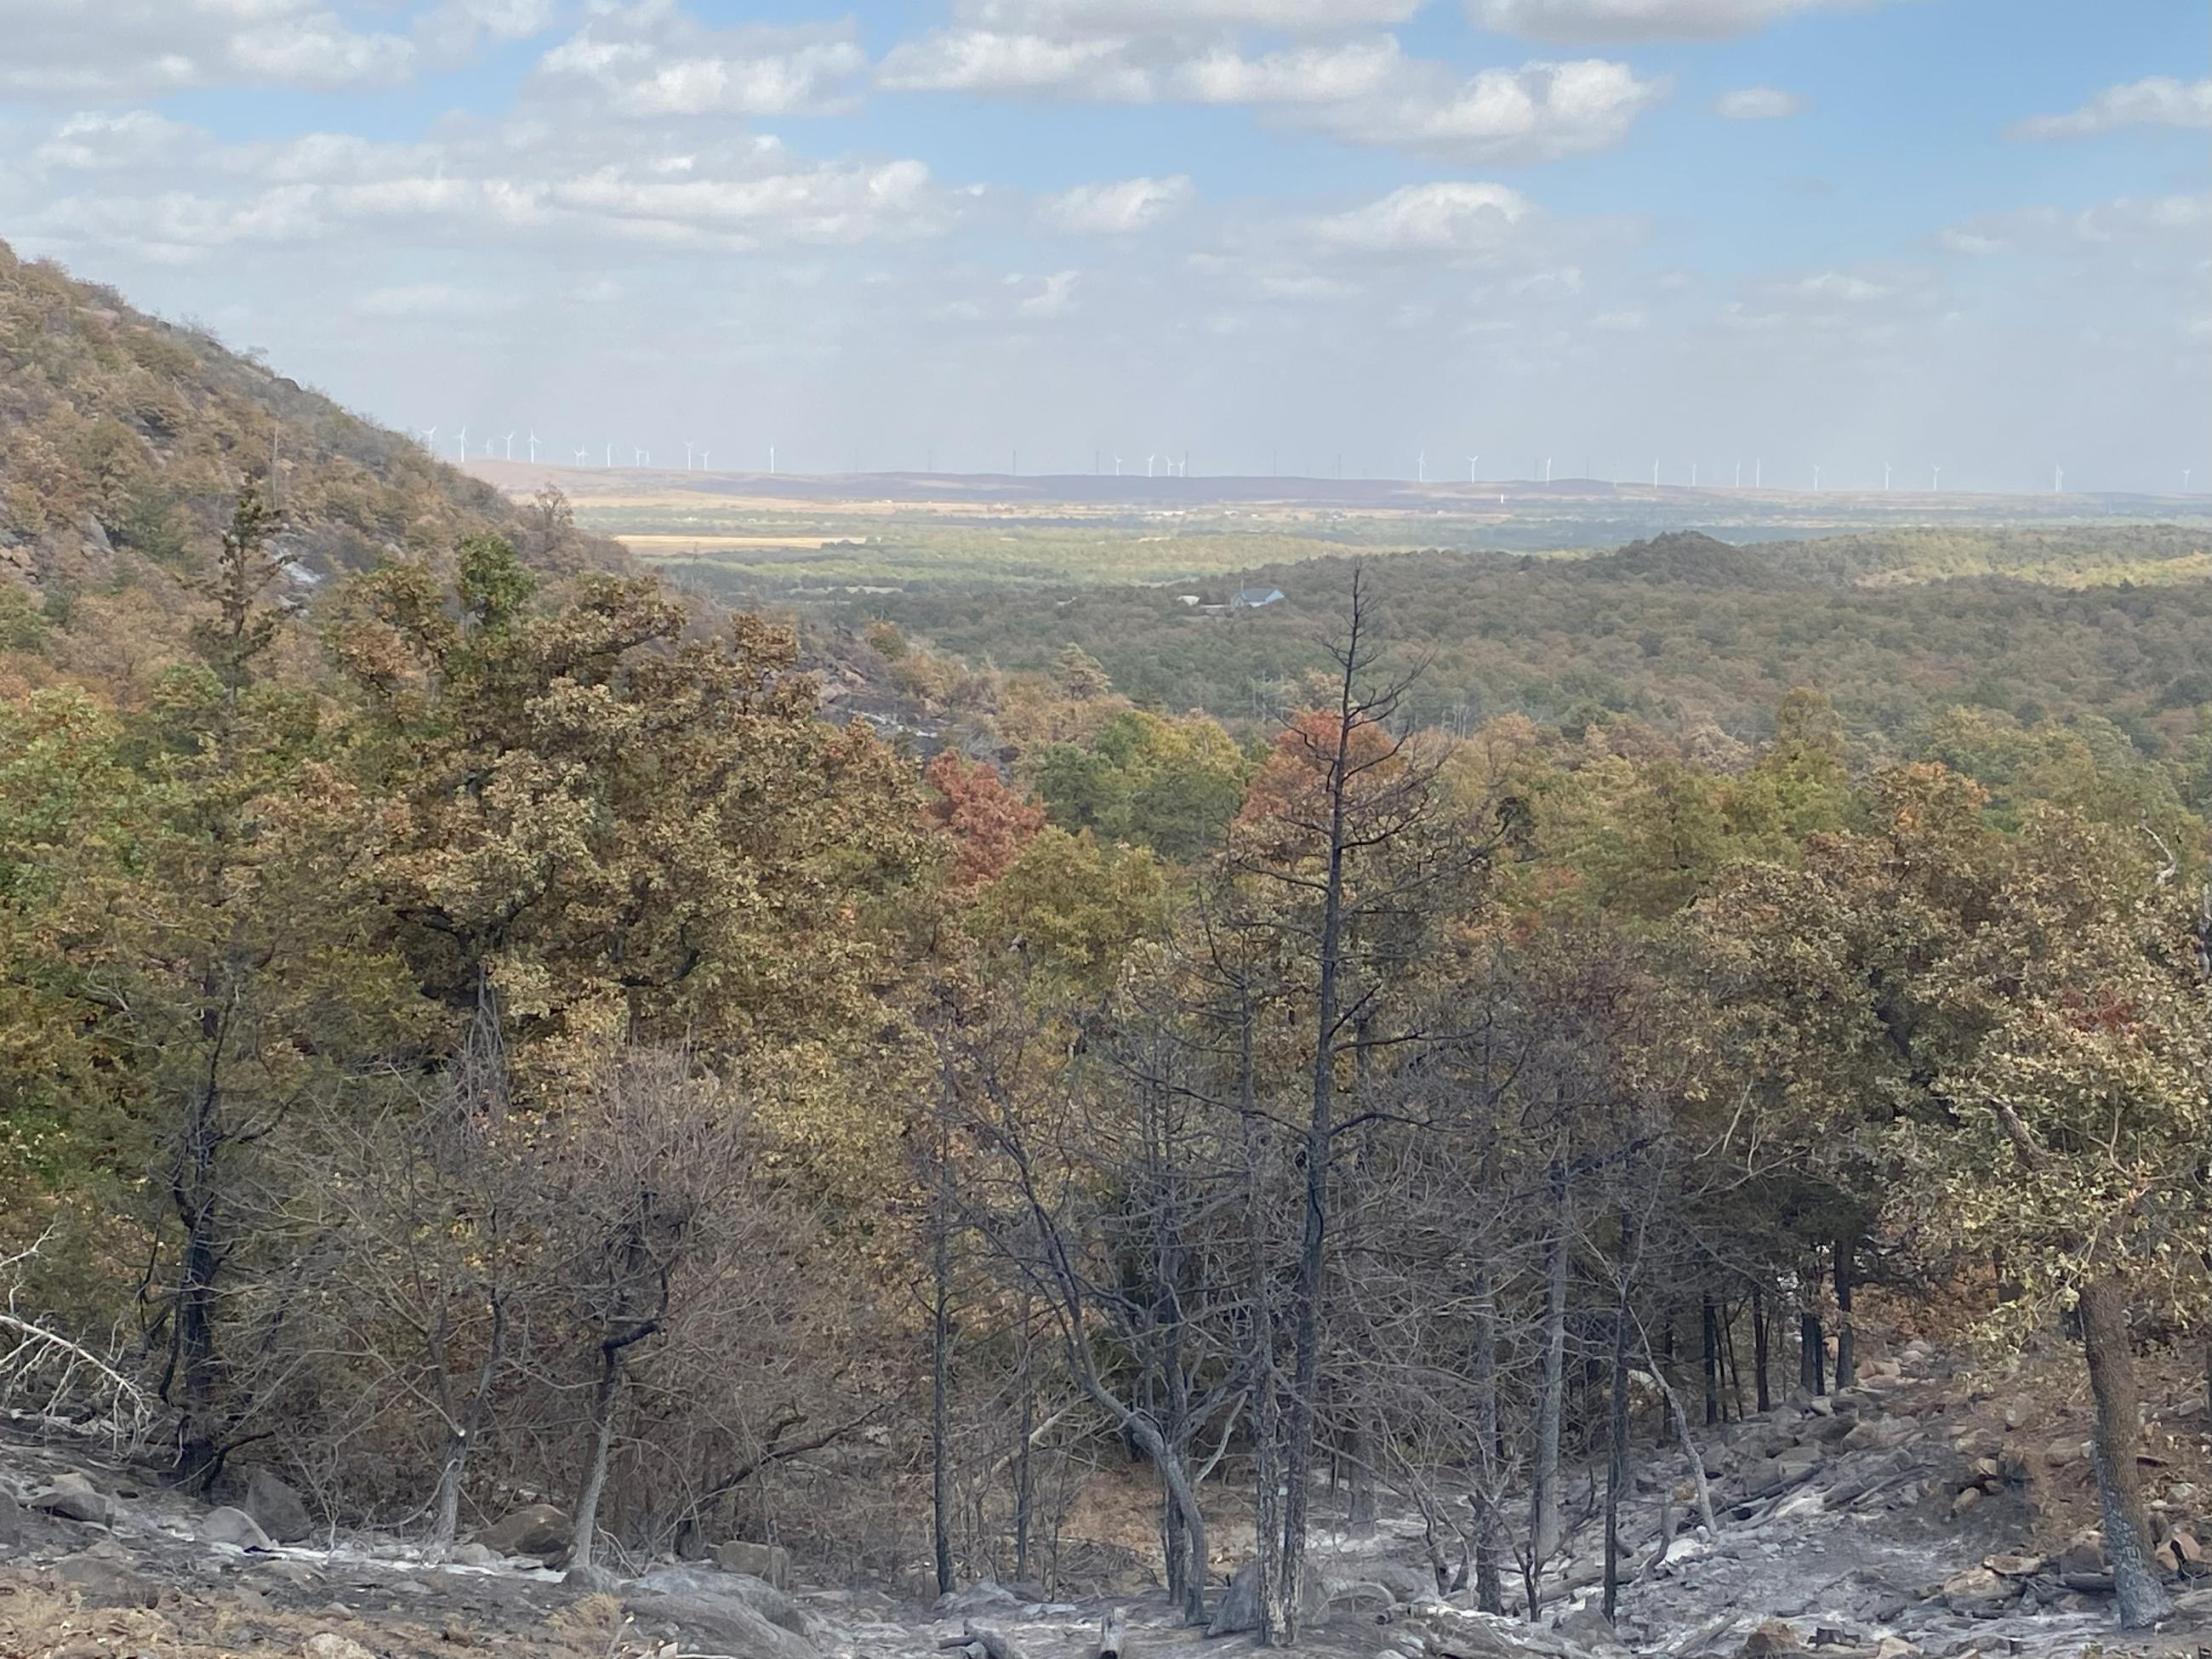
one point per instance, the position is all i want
(1588, 1625)
(763, 1597)
(1240, 1603)
(591, 1580)
(1976, 1592)
(329, 1644)
(2061, 1453)
(233, 1527)
(771, 1562)
(74, 1498)
(709, 1608)
(1772, 1637)
(984, 1596)
(474, 1554)
(1965, 1501)
(535, 1530)
(2185, 1547)
(275, 1508)
(106, 1578)
(2014, 1566)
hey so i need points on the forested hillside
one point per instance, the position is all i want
(124, 440)
(477, 1040)
(1684, 632)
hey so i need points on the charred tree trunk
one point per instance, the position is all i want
(1544, 1491)
(1708, 1328)
(1759, 1355)
(2105, 1344)
(461, 1430)
(1489, 1590)
(940, 1391)
(1846, 1362)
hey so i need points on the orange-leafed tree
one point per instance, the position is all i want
(987, 822)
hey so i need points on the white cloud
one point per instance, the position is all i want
(989, 61)
(1305, 75)
(1125, 17)
(1363, 91)
(2126, 221)
(1055, 295)
(1588, 21)
(656, 62)
(94, 140)
(126, 48)
(454, 26)
(1115, 210)
(1758, 104)
(2160, 101)
(1540, 111)
(739, 195)
(1450, 218)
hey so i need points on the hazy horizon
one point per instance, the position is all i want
(1270, 234)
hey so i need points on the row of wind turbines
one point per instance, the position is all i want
(500, 447)
(697, 457)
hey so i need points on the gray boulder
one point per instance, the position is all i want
(708, 1607)
(74, 1498)
(763, 1597)
(105, 1577)
(11, 1521)
(235, 1526)
(771, 1562)
(275, 1508)
(537, 1529)
(1239, 1610)
(984, 1596)
(473, 1554)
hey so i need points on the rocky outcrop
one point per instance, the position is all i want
(718, 1608)
(770, 1562)
(233, 1527)
(74, 1498)
(537, 1529)
(276, 1509)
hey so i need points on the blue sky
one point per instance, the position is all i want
(1970, 233)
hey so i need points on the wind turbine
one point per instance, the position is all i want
(771, 461)
(1148, 463)
(1117, 466)
(610, 461)
(1694, 475)
(533, 444)
(1759, 475)
(430, 443)
(1421, 467)
(1739, 475)
(703, 453)
(1547, 469)
(1816, 477)
(1934, 477)
(580, 453)
(687, 454)
(1655, 475)
(2185, 471)
(636, 456)
(1885, 475)
(510, 446)
(1471, 461)
(2057, 479)
(463, 443)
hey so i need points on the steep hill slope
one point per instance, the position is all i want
(125, 440)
